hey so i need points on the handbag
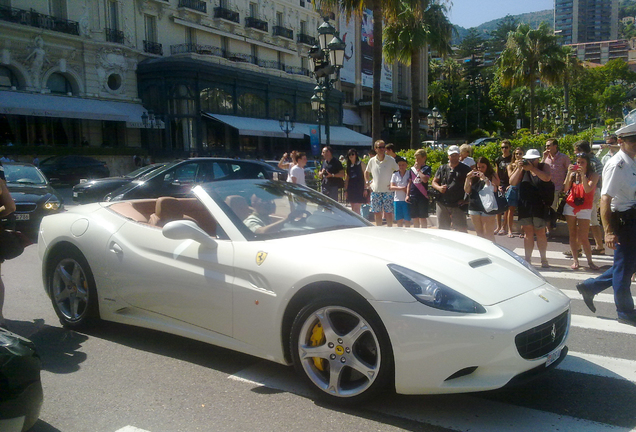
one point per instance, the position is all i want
(502, 203)
(487, 198)
(561, 207)
(12, 244)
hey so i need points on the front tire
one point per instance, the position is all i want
(342, 350)
(72, 289)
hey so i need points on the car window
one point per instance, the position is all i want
(23, 174)
(186, 173)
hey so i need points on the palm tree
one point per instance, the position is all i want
(357, 7)
(531, 55)
(572, 68)
(411, 26)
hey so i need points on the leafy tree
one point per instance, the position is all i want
(499, 36)
(411, 25)
(531, 55)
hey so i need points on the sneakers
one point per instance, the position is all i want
(588, 297)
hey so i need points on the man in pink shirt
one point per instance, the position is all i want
(558, 163)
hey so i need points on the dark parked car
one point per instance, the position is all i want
(33, 195)
(71, 169)
(20, 386)
(95, 190)
(178, 178)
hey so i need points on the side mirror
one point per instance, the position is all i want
(188, 230)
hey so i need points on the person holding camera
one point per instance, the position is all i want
(535, 197)
(481, 176)
(580, 184)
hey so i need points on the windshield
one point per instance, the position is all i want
(23, 174)
(142, 171)
(266, 209)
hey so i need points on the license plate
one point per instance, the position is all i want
(75, 194)
(21, 216)
(552, 357)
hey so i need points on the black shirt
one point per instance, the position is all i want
(502, 170)
(454, 178)
(333, 167)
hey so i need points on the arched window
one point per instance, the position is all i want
(7, 78)
(182, 101)
(305, 114)
(250, 105)
(279, 107)
(59, 84)
(217, 101)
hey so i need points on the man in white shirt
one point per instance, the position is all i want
(378, 176)
(618, 212)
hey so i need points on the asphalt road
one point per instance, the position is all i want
(127, 379)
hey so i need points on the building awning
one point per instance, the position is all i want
(340, 136)
(40, 105)
(257, 127)
(351, 118)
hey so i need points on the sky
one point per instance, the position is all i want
(471, 13)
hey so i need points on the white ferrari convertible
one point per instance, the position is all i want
(281, 272)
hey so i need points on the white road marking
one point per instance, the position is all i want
(602, 324)
(591, 364)
(598, 298)
(131, 429)
(556, 255)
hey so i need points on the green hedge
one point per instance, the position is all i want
(492, 150)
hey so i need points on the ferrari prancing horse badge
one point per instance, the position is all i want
(260, 257)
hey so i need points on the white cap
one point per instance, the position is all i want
(628, 130)
(532, 154)
(453, 150)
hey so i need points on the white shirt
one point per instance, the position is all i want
(468, 161)
(298, 173)
(381, 171)
(400, 182)
(619, 181)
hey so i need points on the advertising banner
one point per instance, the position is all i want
(348, 34)
(366, 48)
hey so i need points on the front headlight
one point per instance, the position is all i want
(52, 204)
(521, 261)
(433, 293)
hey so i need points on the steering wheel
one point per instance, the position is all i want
(300, 218)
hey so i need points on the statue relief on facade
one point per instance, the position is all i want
(111, 61)
(84, 21)
(37, 58)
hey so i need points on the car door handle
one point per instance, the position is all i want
(115, 248)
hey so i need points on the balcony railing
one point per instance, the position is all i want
(257, 24)
(198, 49)
(226, 14)
(306, 39)
(283, 32)
(236, 57)
(153, 47)
(35, 19)
(116, 36)
(197, 5)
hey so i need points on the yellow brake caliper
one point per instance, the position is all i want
(318, 338)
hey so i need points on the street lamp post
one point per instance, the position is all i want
(397, 120)
(151, 121)
(517, 122)
(325, 61)
(286, 125)
(434, 120)
(467, 97)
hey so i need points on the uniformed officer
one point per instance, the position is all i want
(618, 212)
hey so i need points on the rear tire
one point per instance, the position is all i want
(342, 350)
(71, 286)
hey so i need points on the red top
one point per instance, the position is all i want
(576, 191)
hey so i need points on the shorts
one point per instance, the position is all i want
(594, 215)
(478, 213)
(536, 222)
(418, 208)
(512, 196)
(401, 210)
(381, 202)
(568, 210)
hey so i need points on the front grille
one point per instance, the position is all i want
(543, 339)
(25, 207)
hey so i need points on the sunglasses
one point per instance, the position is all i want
(580, 155)
(504, 147)
(381, 147)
